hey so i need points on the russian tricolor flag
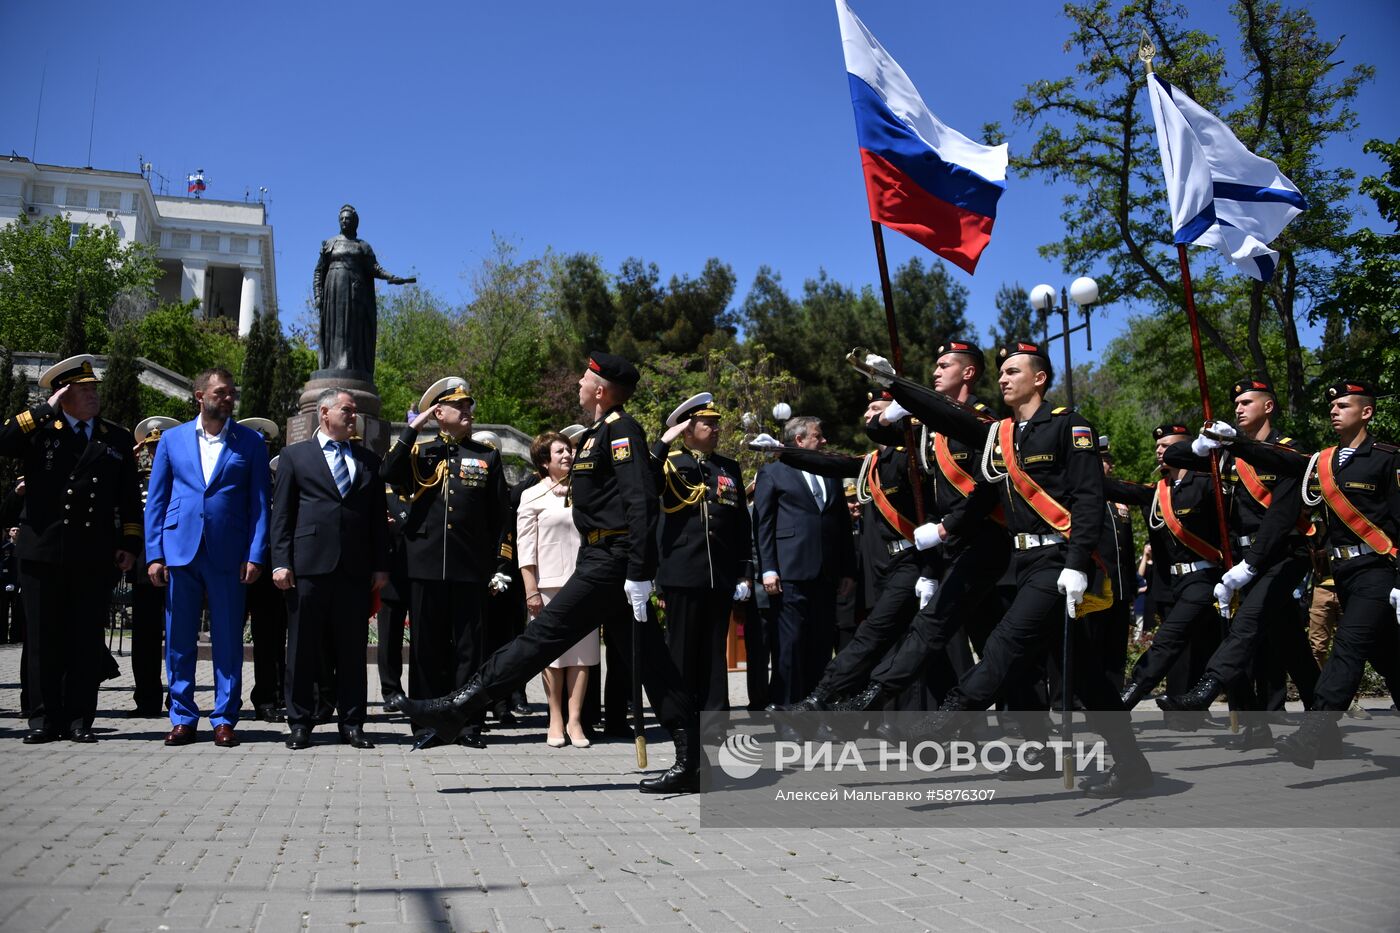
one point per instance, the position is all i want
(923, 178)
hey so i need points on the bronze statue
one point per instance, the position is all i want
(344, 287)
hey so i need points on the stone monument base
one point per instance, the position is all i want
(376, 433)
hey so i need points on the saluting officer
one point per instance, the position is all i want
(81, 524)
(147, 601)
(452, 538)
(614, 505)
(704, 536)
(1358, 480)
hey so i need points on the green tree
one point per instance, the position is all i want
(121, 383)
(272, 377)
(419, 343)
(1362, 311)
(1095, 130)
(44, 276)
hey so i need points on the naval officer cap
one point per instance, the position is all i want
(697, 406)
(75, 370)
(446, 389)
(572, 432)
(148, 431)
(264, 426)
(614, 368)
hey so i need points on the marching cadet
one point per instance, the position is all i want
(1268, 529)
(147, 601)
(614, 506)
(452, 539)
(1182, 506)
(81, 525)
(267, 618)
(1044, 469)
(963, 592)
(1358, 480)
(1111, 626)
(704, 535)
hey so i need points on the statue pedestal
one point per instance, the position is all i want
(377, 433)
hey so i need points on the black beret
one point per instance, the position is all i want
(1250, 384)
(1168, 429)
(1350, 387)
(614, 368)
(959, 346)
(1027, 347)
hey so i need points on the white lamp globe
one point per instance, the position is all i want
(782, 411)
(1084, 291)
(1042, 298)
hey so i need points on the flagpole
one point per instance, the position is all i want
(897, 357)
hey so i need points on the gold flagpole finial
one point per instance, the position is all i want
(1146, 50)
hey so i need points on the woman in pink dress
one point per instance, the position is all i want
(547, 544)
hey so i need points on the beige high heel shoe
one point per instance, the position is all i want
(581, 741)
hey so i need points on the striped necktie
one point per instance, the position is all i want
(1344, 455)
(341, 470)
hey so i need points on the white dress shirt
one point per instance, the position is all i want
(210, 446)
(322, 439)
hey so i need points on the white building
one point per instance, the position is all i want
(217, 251)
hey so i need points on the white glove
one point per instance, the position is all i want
(926, 587)
(638, 592)
(881, 365)
(499, 583)
(1238, 576)
(1203, 445)
(1072, 584)
(893, 412)
(742, 592)
(1395, 603)
(1223, 594)
(766, 440)
(927, 535)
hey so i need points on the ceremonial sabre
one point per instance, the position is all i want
(639, 618)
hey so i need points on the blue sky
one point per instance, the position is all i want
(669, 131)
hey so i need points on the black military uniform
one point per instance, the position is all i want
(900, 564)
(505, 612)
(1192, 560)
(703, 543)
(82, 504)
(267, 622)
(614, 508)
(1056, 449)
(147, 601)
(971, 564)
(452, 539)
(1360, 489)
(1265, 509)
(393, 605)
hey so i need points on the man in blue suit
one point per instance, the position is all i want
(803, 533)
(207, 536)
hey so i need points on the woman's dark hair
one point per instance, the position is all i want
(540, 448)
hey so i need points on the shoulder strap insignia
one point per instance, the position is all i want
(1388, 448)
(612, 417)
(676, 453)
(1058, 411)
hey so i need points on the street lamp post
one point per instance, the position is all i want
(1084, 291)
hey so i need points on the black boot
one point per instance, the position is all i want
(1040, 763)
(448, 716)
(1253, 735)
(1133, 694)
(943, 723)
(872, 696)
(1199, 697)
(816, 700)
(1125, 779)
(683, 777)
(1317, 738)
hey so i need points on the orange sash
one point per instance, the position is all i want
(955, 474)
(1341, 506)
(882, 502)
(1056, 515)
(1195, 543)
(1265, 496)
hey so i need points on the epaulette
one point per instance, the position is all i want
(1058, 411)
(676, 453)
(1388, 448)
(980, 407)
(1286, 441)
(612, 417)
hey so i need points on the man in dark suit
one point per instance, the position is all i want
(81, 525)
(805, 547)
(393, 606)
(330, 549)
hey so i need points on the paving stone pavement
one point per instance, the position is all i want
(130, 835)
